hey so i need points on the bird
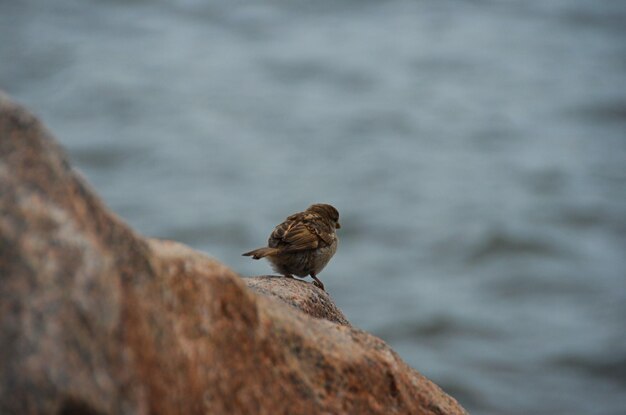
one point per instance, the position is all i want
(303, 244)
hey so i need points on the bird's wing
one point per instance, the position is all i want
(324, 235)
(294, 235)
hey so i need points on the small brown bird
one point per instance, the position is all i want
(303, 244)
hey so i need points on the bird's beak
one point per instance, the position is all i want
(337, 225)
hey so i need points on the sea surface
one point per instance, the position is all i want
(476, 151)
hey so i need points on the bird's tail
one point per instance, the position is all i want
(261, 252)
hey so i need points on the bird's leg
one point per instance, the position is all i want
(317, 282)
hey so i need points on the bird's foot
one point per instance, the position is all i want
(318, 283)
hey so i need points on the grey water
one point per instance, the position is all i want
(476, 151)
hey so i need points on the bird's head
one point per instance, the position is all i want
(326, 211)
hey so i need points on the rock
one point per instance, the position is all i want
(95, 319)
(299, 294)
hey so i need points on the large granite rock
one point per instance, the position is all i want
(95, 319)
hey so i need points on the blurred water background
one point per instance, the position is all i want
(476, 151)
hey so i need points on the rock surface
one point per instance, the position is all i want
(299, 294)
(95, 319)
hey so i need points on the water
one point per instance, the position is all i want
(476, 151)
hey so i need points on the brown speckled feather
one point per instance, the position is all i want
(302, 231)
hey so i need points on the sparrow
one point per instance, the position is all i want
(303, 244)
